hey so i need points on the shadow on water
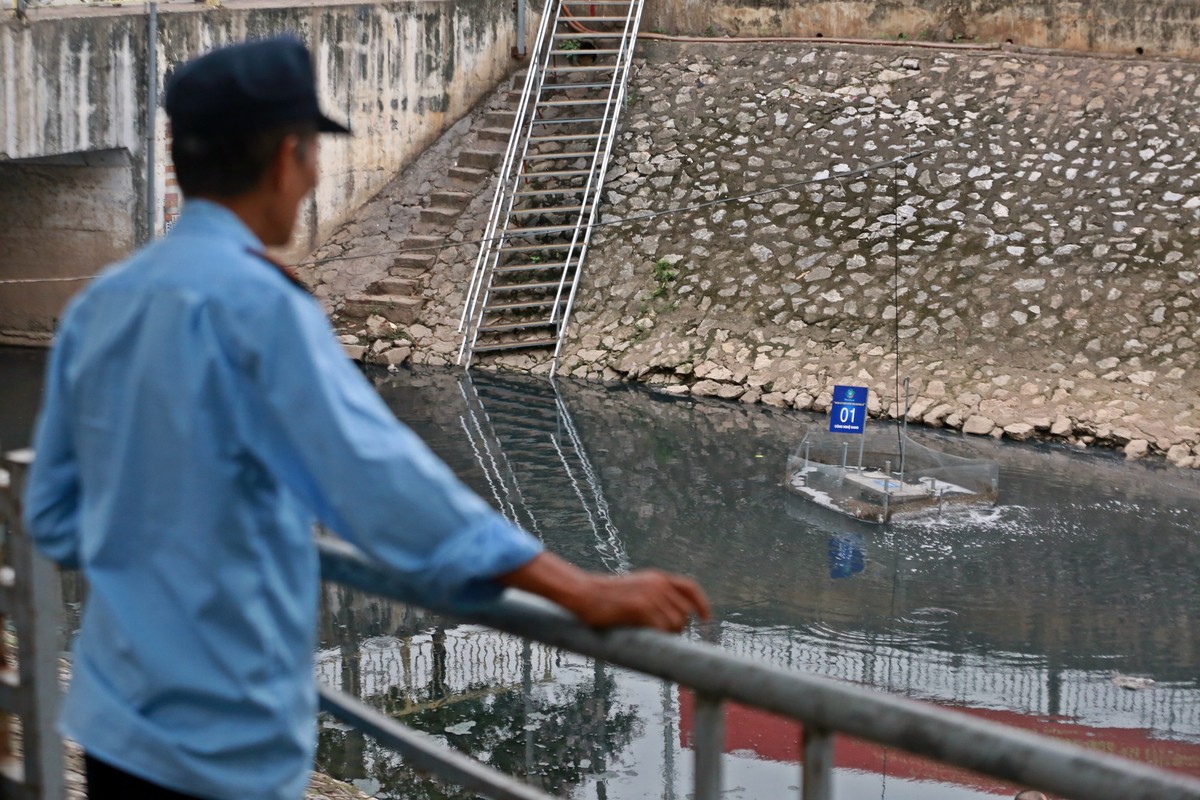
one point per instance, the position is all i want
(1023, 613)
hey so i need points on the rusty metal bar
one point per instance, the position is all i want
(817, 780)
(36, 600)
(708, 743)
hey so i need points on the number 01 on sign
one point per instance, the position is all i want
(848, 413)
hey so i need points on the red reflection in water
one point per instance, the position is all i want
(776, 738)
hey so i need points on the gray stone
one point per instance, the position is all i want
(978, 425)
(1137, 448)
(1018, 431)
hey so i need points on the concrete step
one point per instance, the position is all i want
(450, 198)
(395, 308)
(480, 159)
(496, 134)
(436, 216)
(469, 178)
(393, 286)
(419, 261)
(499, 119)
(407, 274)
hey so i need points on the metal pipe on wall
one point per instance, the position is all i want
(151, 117)
(521, 28)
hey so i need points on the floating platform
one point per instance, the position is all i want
(882, 474)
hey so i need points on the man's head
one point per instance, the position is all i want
(244, 124)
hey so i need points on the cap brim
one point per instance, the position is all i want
(326, 125)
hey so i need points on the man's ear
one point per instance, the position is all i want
(284, 162)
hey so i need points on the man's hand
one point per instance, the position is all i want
(646, 598)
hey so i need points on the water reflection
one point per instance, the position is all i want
(1021, 613)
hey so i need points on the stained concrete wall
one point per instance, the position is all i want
(1171, 27)
(63, 216)
(75, 81)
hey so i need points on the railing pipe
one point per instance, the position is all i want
(425, 753)
(953, 738)
(817, 780)
(33, 692)
(708, 743)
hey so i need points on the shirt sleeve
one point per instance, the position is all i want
(52, 493)
(328, 436)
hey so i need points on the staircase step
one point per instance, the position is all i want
(516, 326)
(556, 173)
(450, 198)
(534, 248)
(394, 308)
(607, 51)
(393, 286)
(469, 177)
(566, 87)
(480, 159)
(543, 286)
(574, 191)
(417, 261)
(567, 137)
(436, 215)
(576, 70)
(546, 210)
(407, 274)
(565, 156)
(519, 269)
(590, 19)
(539, 230)
(516, 344)
(496, 134)
(555, 121)
(499, 119)
(589, 101)
(589, 35)
(520, 305)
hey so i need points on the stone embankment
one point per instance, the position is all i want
(1030, 266)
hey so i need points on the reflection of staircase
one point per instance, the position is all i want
(527, 271)
(524, 438)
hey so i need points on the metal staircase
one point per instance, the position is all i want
(527, 272)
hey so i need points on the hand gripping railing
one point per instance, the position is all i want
(824, 706)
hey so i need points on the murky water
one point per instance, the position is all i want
(1023, 613)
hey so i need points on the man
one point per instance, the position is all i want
(198, 417)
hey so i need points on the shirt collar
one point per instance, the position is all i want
(206, 218)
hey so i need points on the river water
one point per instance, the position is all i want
(1030, 613)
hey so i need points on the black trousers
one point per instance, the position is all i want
(106, 782)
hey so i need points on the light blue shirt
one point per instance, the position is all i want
(198, 416)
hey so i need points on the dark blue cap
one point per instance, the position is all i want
(246, 88)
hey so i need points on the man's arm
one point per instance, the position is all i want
(52, 494)
(645, 598)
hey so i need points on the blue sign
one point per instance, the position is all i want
(848, 414)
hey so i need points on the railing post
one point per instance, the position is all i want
(32, 597)
(709, 742)
(817, 781)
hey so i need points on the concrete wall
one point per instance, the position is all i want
(63, 216)
(75, 81)
(1171, 27)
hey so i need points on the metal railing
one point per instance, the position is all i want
(30, 601)
(825, 707)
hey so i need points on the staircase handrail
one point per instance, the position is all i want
(488, 243)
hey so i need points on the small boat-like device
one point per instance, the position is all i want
(880, 474)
